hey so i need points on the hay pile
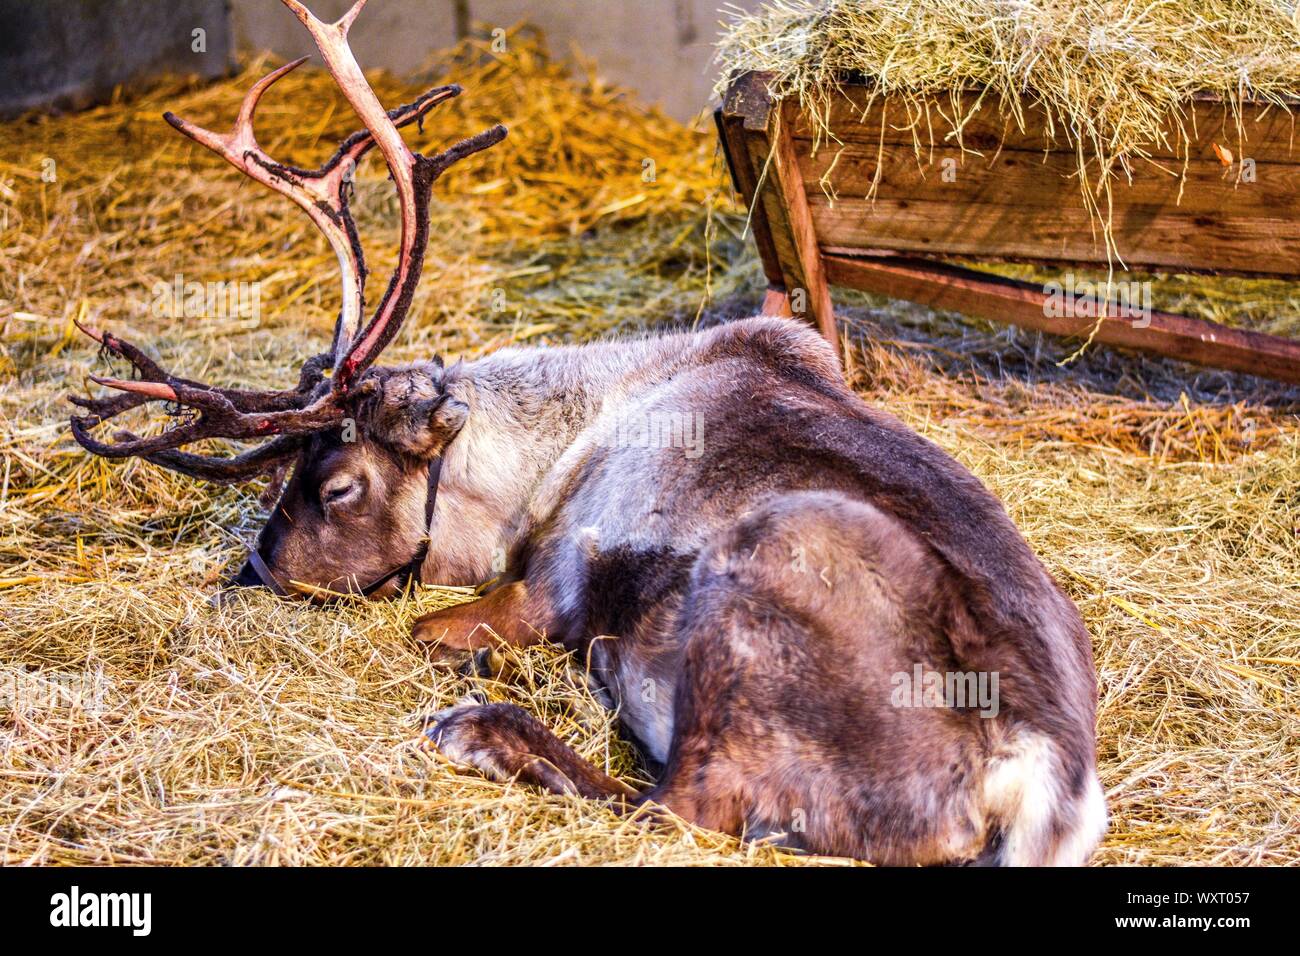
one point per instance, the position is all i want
(265, 732)
(1114, 79)
(1108, 72)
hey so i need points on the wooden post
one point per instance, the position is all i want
(760, 151)
(776, 302)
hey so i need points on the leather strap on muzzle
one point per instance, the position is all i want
(411, 569)
(264, 573)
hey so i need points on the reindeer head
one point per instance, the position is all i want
(345, 510)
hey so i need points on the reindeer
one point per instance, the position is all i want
(753, 601)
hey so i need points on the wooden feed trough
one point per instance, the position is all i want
(1014, 202)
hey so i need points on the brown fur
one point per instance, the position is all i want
(756, 593)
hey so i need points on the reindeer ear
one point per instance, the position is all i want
(413, 415)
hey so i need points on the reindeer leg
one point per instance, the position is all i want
(505, 742)
(508, 615)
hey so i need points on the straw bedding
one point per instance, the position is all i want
(263, 732)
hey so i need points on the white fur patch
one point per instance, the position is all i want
(1023, 791)
(1091, 818)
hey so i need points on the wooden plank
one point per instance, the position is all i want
(1010, 205)
(1013, 201)
(998, 232)
(747, 106)
(746, 117)
(785, 204)
(1016, 177)
(776, 303)
(1268, 134)
(975, 293)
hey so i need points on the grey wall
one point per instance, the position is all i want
(71, 53)
(662, 48)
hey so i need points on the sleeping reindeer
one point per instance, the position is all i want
(774, 582)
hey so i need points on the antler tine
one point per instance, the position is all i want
(466, 147)
(395, 304)
(412, 175)
(217, 418)
(226, 471)
(321, 197)
(332, 41)
(321, 193)
(242, 399)
(346, 157)
(224, 413)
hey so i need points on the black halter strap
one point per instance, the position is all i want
(264, 572)
(411, 569)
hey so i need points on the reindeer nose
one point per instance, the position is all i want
(254, 574)
(246, 578)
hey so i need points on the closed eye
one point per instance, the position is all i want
(340, 492)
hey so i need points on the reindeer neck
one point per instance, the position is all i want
(526, 407)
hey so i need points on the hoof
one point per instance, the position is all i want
(449, 658)
(488, 662)
(439, 719)
(457, 734)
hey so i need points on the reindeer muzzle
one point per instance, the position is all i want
(254, 574)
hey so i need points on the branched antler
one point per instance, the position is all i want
(323, 194)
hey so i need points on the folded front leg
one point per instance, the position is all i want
(509, 615)
(506, 743)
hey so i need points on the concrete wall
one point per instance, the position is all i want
(662, 48)
(71, 53)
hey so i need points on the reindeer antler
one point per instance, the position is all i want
(323, 194)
